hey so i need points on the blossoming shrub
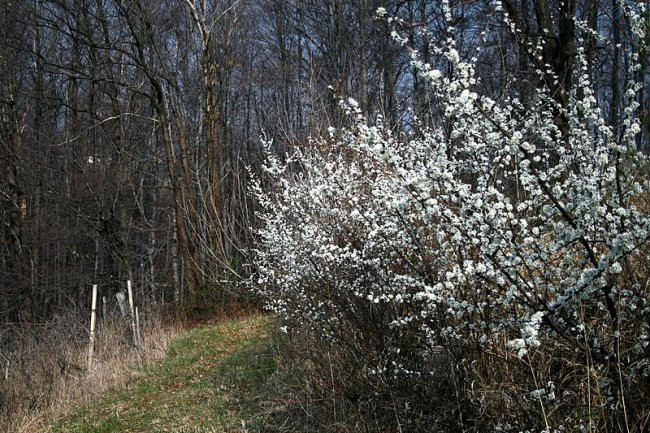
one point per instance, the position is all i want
(490, 272)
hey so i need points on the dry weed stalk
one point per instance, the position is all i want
(48, 374)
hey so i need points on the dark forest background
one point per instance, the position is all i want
(129, 128)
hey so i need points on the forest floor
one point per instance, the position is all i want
(211, 380)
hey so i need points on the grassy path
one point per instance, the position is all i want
(206, 383)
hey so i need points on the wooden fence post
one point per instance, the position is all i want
(132, 312)
(93, 318)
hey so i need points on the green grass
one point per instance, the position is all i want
(209, 382)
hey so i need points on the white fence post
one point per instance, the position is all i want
(134, 328)
(93, 318)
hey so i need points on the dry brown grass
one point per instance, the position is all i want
(47, 367)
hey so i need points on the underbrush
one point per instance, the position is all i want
(322, 387)
(47, 372)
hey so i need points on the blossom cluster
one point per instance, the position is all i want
(499, 224)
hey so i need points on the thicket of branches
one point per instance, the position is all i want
(478, 202)
(126, 124)
(485, 271)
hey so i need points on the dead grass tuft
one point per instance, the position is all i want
(47, 373)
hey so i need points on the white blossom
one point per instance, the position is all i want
(493, 222)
